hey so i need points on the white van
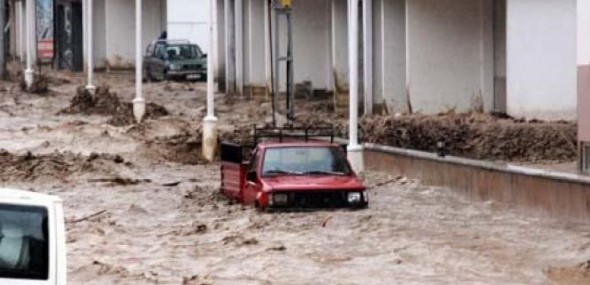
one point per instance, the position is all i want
(32, 239)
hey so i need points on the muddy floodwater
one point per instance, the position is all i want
(143, 208)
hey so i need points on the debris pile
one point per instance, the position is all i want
(476, 136)
(105, 102)
(29, 167)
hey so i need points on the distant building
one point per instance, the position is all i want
(61, 38)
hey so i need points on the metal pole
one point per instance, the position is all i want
(89, 86)
(210, 121)
(368, 54)
(138, 102)
(290, 87)
(29, 41)
(277, 75)
(355, 154)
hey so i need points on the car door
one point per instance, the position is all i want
(253, 185)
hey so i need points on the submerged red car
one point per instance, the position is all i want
(291, 170)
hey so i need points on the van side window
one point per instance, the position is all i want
(24, 242)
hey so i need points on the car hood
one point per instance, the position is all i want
(312, 183)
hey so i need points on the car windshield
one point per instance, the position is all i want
(24, 250)
(305, 161)
(183, 51)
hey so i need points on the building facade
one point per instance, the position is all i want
(420, 56)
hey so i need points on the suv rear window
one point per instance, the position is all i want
(24, 242)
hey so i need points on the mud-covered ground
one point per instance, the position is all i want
(142, 208)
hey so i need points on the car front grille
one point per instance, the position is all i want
(192, 66)
(316, 199)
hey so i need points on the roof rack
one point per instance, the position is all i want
(173, 41)
(294, 132)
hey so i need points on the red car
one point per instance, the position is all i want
(291, 170)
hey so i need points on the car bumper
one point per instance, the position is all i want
(316, 199)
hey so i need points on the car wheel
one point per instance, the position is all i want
(165, 75)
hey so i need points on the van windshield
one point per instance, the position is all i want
(183, 51)
(24, 242)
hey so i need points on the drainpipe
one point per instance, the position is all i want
(355, 151)
(138, 102)
(29, 23)
(90, 87)
(210, 121)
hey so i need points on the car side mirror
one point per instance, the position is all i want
(204, 55)
(251, 176)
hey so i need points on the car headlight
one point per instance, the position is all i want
(280, 198)
(354, 197)
(174, 66)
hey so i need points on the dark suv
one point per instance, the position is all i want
(166, 59)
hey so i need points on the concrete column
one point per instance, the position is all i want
(355, 151)
(368, 55)
(339, 60)
(89, 85)
(256, 61)
(19, 29)
(30, 22)
(541, 53)
(267, 49)
(583, 78)
(138, 102)
(230, 59)
(210, 121)
(220, 42)
(239, 37)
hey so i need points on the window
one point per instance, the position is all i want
(183, 51)
(303, 160)
(24, 242)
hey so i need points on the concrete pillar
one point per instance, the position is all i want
(541, 53)
(210, 121)
(30, 24)
(368, 55)
(448, 51)
(19, 30)
(583, 79)
(389, 56)
(339, 15)
(88, 25)
(255, 71)
(355, 151)
(220, 43)
(239, 45)
(267, 48)
(138, 102)
(230, 59)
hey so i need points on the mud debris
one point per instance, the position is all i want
(107, 103)
(476, 136)
(576, 275)
(40, 84)
(55, 166)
